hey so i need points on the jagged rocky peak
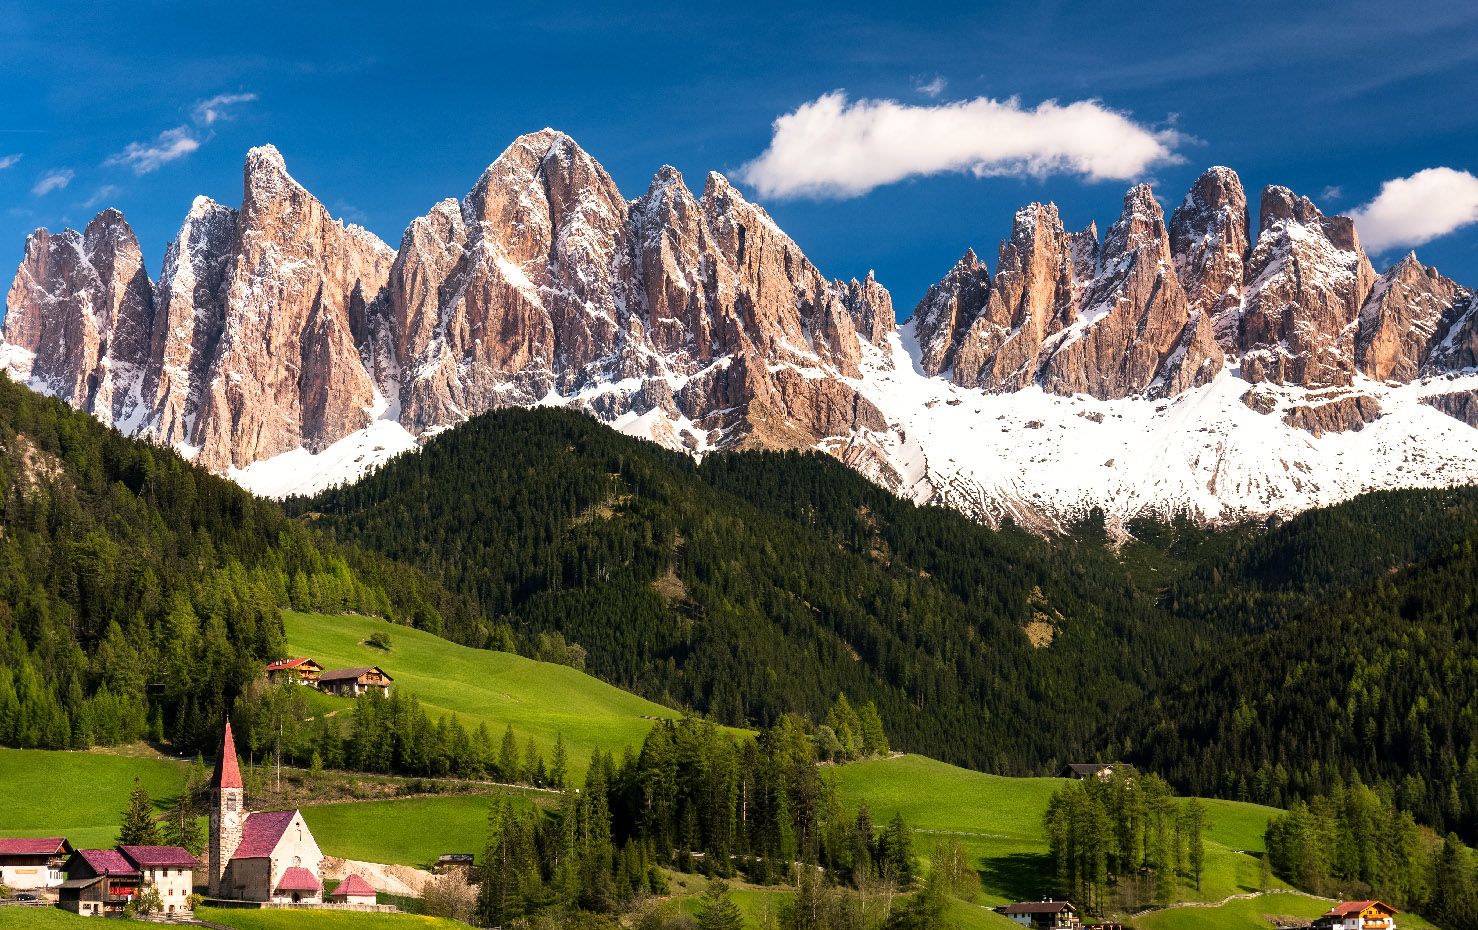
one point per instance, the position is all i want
(871, 307)
(1135, 333)
(1457, 348)
(82, 304)
(677, 284)
(947, 310)
(287, 372)
(1308, 280)
(1035, 293)
(1209, 241)
(1403, 319)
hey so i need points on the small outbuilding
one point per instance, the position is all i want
(352, 682)
(353, 890)
(1102, 771)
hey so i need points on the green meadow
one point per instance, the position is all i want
(78, 795)
(537, 699)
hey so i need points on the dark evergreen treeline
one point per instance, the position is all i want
(695, 799)
(1355, 844)
(1125, 842)
(138, 594)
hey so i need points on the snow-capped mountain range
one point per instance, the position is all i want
(1180, 367)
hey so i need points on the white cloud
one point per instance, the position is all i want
(53, 181)
(931, 88)
(208, 111)
(100, 195)
(1332, 193)
(144, 157)
(1417, 209)
(831, 147)
(8, 161)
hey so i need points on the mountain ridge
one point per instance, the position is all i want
(291, 352)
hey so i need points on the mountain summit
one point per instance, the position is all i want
(1172, 367)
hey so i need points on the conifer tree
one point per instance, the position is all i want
(508, 756)
(559, 766)
(182, 825)
(874, 738)
(718, 910)
(139, 827)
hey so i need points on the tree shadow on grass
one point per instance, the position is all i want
(1020, 876)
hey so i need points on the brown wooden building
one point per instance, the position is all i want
(352, 682)
(299, 671)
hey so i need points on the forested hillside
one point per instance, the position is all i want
(755, 585)
(139, 593)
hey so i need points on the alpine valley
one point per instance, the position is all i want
(1192, 366)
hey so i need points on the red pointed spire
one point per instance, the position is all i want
(228, 771)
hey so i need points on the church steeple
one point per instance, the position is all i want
(227, 814)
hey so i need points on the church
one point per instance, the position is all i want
(265, 856)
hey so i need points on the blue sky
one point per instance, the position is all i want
(381, 109)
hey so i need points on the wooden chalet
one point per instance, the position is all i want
(1358, 915)
(352, 682)
(99, 882)
(299, 671)
(29, 863)
(1042, 915)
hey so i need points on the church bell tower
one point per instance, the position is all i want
(227, 813)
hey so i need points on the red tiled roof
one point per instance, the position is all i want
(228, 770)
(354, 885)
(159, 857)
(282, 664)
(261, 833)
(1350, 908)
(298, 878)
(107, 862)
(27, 846)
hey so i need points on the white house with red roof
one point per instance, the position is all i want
(103, 881)
(28, 863)
(1358, 915)
(266, 856)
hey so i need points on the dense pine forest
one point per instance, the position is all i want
(139, 594)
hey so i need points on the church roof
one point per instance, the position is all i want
(261, 833)
(228, 770)
(354, 885)
(298, 878)
(160, 857)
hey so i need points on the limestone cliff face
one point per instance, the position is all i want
(189, 316)
(1209, 240)
(1457, 347)
(1402, 320)
(1136, 333)
(82, 304)
(947, 312)
(286, 372)
(1308, 279)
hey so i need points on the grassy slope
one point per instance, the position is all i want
(47, 918)
(79, 795)
(999, 820)
(413, 831)
(496, 688)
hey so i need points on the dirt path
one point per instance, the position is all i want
(1227, 900)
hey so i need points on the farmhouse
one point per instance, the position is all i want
(1102, 771)
(352, 682)
(1043, 915)
(353, 890)
(1358, 915)
(267, 856)
(301, 671)
(99, 881)
(102, 881)
(27, 864)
